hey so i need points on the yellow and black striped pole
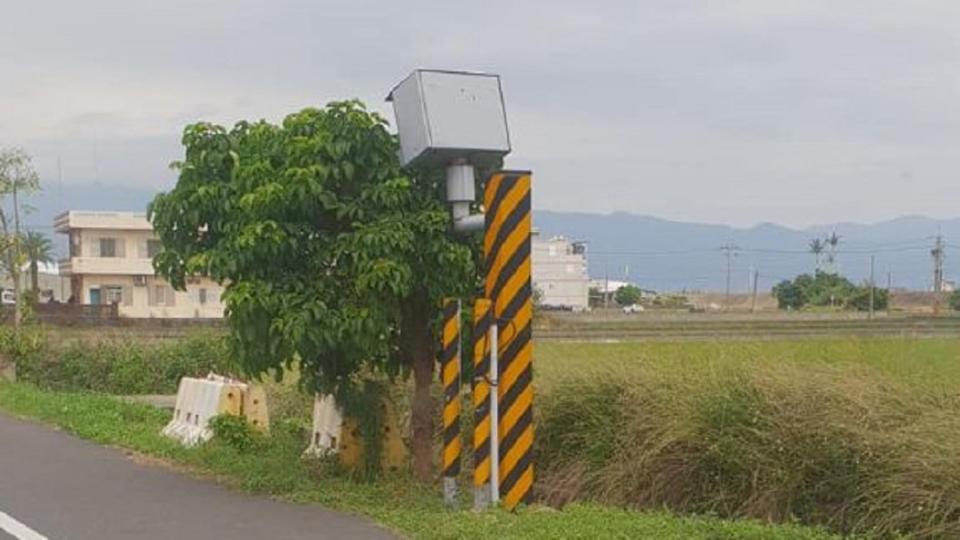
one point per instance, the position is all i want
(482, 320)
(450, 376)
(507, 258)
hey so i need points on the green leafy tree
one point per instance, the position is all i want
(860, 299)
(17, 177)
(37, 249)
(628, 295)
(826, 289)
(333, 257)
(954, 300)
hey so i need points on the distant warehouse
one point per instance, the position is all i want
(560, 273)
(111, 262)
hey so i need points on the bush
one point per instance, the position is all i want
(628, 295)
(954, 300)
(234, 431)
(116, 367)
(840, 446)
(825, 289)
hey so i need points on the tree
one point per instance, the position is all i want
(954, 300)
(860, 299)
(37, 249)
(628, 295)
(332, 256)
(816, 247)
(832, 242)
(826, 289)
(17, 177)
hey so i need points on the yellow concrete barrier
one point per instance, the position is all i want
(199, 400)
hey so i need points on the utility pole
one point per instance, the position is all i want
(753, 303)
(938, 255)
(872, 287)
(730, 250)
(889, 289)
(606, 289)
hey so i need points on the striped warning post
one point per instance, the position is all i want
(507, 257)
(450, 375)
(482, 319)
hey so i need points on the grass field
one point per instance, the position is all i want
(859, 435)
(932, 361)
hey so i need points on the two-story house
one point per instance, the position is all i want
(111, 262)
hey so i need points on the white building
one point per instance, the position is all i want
(111, 261)
(560, 273)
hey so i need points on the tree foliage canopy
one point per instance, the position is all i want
(827, 289)
(628, 295)
(330, 253)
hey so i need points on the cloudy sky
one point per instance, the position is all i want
(732, 111)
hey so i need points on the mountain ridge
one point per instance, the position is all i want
(656, 252)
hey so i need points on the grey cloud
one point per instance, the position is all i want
(738, 112)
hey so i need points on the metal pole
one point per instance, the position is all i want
(872, 286)
(494, 414)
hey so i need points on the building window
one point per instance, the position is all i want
(202, 296)
(160, 295)
(112, 294)
(153, 247)
(108, 247)
(74, 243)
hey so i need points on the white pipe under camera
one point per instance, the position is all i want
(461, 192)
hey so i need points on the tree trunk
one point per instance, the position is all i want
(418, 352)
(423, 413)
(35, 278)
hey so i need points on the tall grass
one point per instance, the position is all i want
(857, 446)
(116, 366)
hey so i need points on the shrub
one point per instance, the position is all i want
(628, 295)
(954, 300)
(234, 431)
(840, 446)
(117, 366)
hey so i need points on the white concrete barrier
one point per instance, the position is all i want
(325, 436)
(199, 400)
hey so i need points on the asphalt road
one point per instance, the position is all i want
(58, 487)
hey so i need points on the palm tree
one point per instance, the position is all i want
(832, 241)
(816, 247)
(38, 249)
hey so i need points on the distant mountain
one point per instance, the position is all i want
(657, 253)
(671, 255)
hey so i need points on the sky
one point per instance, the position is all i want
(733, 111)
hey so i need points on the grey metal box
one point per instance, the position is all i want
(448, 115)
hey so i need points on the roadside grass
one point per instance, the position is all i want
(858, 435)
(273, 466)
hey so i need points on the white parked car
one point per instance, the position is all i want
(633, 308)
(8, 297)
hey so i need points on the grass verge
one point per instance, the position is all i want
(860, 436)
(273, 466)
